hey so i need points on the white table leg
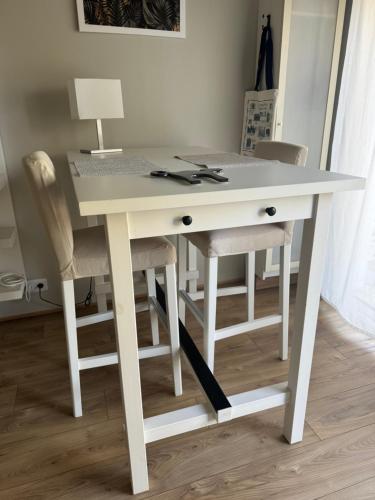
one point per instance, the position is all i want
(127, 345)
(315, 233)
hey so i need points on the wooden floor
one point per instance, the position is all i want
(46, 453)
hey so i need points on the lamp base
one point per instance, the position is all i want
(101, 151)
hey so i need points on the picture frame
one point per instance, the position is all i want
(84, 26)
(259, 118)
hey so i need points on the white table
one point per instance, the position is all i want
(137, 206)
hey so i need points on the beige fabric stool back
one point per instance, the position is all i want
(83, 253)
(52, 206)
(293, 154)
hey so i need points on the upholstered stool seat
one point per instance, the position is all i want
(90, 256)
(238, 240)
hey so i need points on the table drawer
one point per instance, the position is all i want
(207, 217)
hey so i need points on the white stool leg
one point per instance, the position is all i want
(210, 297)
(101, 298)
(250, 283)
(151, 291)
(284, 290)
(182, 263)
(72, 344)
(192, 266)
(172, 310)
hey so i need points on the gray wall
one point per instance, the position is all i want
(176, 92)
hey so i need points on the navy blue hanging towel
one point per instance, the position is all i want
(265, 56)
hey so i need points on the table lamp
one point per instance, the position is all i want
(96, 99)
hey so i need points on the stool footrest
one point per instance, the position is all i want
(248, 326)
(112, 358)
(92, 319)
(221, 292)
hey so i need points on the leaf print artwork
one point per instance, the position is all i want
(161, 15)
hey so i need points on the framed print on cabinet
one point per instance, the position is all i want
(166, 18)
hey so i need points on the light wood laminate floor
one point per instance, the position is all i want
(45, 453)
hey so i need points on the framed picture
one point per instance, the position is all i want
(165, 18)
(259, 119)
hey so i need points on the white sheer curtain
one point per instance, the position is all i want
(349, 281)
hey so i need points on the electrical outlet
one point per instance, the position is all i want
(32, 285)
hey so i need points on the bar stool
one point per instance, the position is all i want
(83, 253)
(243, 240)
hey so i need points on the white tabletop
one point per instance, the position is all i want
(114, 194)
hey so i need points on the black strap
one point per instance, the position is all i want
(265, 56)
(204, 375)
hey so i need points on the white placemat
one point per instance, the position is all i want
(221, 160)
(114, 166)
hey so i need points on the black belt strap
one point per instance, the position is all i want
(204, 375)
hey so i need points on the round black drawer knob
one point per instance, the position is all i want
(271, 211)
(187, 220)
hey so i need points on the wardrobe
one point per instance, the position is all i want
(307, 39)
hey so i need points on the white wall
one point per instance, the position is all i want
(176, 92)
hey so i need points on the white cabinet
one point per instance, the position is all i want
(307, 41)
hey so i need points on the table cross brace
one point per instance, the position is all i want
(220, 408)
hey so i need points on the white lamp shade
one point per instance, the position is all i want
(92, 98)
